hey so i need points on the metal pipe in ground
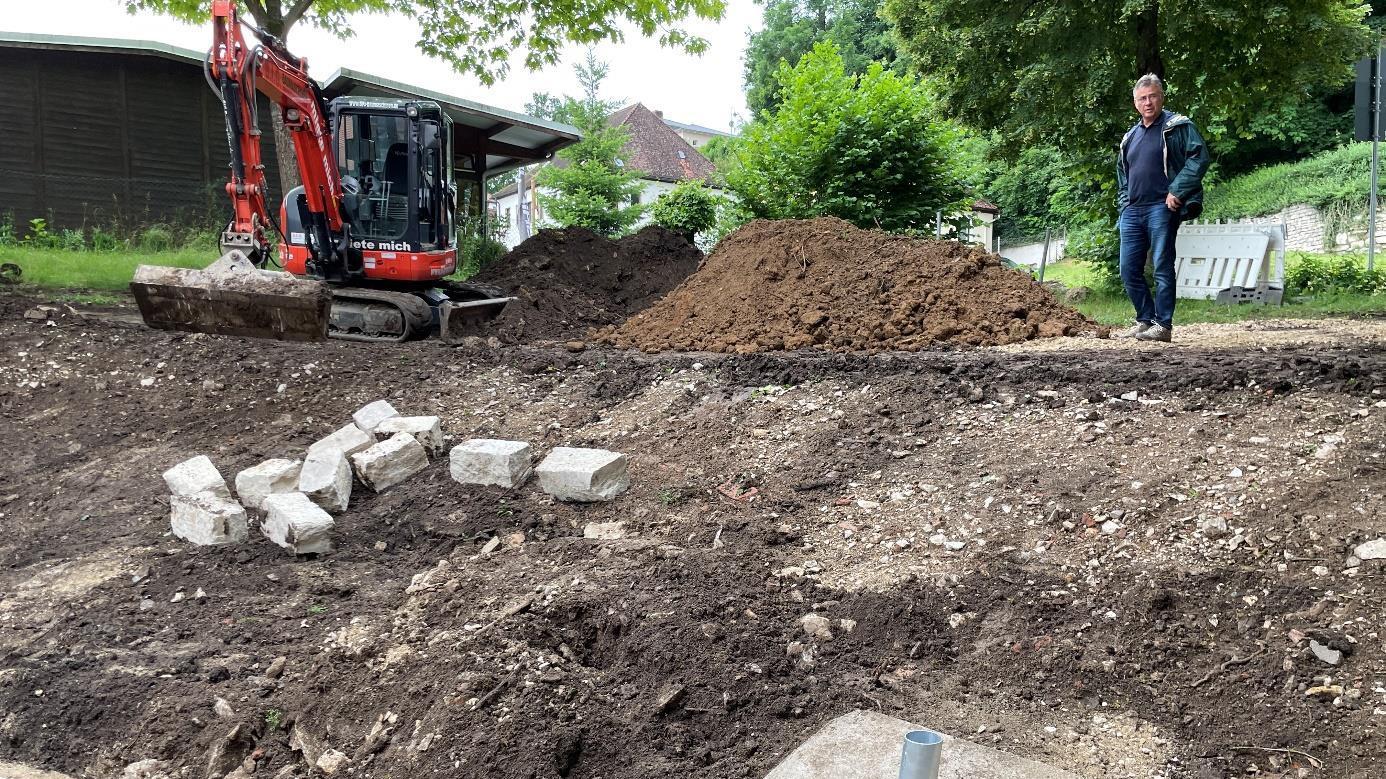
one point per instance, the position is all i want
(923, 754)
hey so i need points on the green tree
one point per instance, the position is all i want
(1060, 72)
(591, 186)
(791, 29)
(721, 152)
(870, 149)
(689, 208)
(473, 37)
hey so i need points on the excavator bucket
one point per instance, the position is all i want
(459, 319)
(233, 297)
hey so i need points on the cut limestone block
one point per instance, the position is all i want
(296, 523)
(349, 440)
(369, 416)
(196, 475)
(489, 461)
(584, 475)
(427, 430)
(208, 519)
(326, 479)
(390, 462)
(256, 483)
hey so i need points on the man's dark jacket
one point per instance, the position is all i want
(1186, 160)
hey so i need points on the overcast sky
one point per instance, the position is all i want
(703, 90)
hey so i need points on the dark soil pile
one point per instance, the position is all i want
(824, 283)
(568, 281)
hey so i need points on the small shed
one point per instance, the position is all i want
(100, 129)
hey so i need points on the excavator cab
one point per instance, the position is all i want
(394, 158)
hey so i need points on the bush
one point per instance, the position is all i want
(156, 239)
(40, 236)
(689, 208)
(475, 253)
(1098, 244)
(8, 235)
(1308, 274)
(103, 240)
(871, 149)
(731, 214)
(72, 240)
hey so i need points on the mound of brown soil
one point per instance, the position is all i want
(824, 283)
(568, 281)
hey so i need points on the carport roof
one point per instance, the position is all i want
(509, 139)
(34, 40)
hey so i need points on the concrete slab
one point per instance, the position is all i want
(10, 770)
(491, 462)
(867, 745)
(583, 475)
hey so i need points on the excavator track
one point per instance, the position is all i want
(376, 315)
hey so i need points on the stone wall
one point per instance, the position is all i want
(1305, 228)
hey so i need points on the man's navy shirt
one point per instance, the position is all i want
(1146, 182)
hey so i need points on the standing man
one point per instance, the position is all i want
(1160, 169)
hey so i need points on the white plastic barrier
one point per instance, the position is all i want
(1231, 263)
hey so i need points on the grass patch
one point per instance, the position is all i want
(1113, 308)
(1338, 177)
(95, 271)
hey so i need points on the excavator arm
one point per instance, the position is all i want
(238, 73)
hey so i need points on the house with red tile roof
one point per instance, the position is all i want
(656, 148)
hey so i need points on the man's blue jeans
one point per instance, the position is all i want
(1149, 228)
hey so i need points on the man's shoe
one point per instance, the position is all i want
(1135, 330)
(1155, 333)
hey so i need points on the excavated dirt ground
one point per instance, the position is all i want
(824, 283)
(1029, 555)
(568, 281)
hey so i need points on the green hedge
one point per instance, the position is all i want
(1339, 178)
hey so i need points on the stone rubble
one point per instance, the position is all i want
(196, 475)
(427, 430)
(348, 440)
(258, 482)
(491, 462)
(583, 475)
(390, 462)
(326, 479)
(207, 519)
(369, 416)
(296, 523)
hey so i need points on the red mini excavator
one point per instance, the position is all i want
(370, 232)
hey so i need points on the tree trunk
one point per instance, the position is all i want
(1147, 24)
(274, 23)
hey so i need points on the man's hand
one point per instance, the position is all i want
(1173, 203)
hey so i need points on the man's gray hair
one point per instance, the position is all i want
(1148, 80)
